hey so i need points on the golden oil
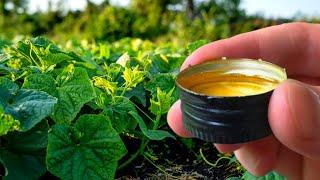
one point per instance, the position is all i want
(228, 85)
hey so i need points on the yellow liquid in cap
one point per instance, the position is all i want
(230, 85)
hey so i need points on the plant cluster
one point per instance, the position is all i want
(68, 111)
(72, 110)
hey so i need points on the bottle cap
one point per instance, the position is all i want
(226, 101)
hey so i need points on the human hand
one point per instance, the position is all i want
(294, 109)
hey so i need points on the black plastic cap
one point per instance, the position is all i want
(227, 119)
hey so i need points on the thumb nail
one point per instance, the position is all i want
(304, 104)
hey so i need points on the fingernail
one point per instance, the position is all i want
(304, 105)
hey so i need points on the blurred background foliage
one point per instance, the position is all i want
(162, 21)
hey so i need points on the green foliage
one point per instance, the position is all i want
(29, 107)
(151, 134)
(23, 153)
(90, 149)
(72, 87)
(161, 102)
(7, 123)
(91, 97)
(174, 21)
(132, 77)
(118, 110)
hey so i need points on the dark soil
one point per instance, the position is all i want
(171, 159)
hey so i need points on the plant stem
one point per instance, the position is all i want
(205, 159)
(159, 168)
(156, 123)
(143, 145)
(124, 91)
(211, 164)
(143, 112)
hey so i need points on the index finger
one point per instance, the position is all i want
(294, 46)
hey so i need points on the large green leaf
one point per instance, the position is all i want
(22, 154)
(138, 93)
(151, 134)
(55, 58)
(7, 89)
(30, 107)
(41, 82)
(159, 65)
(73, 93)
(88, 150)
(118, 110)
(44, 43)
(7, 84)
(164, 81)
(73, 89)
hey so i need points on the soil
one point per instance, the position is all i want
(171, 159)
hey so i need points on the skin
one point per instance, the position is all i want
(294, 110)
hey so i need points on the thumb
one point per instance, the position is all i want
(294, 117)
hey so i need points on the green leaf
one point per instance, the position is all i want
(100, 100)
(161, 103)
(164, 81)
(73, 89)
(151, 134)
(44, 43)
(89, 150)
(270, 176)
(41, 82)
(55, 58)
(7, 89)
(113, 71)
(118, 110)
(159, 65)
(7, 84)
(189, 143)
(73, 93)
(30, 107)
(175, 62)
(139, 93)
(22, 154)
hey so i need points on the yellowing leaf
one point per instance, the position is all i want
(109, 87)
(161, 103)
(133, 76)
(7, 123)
